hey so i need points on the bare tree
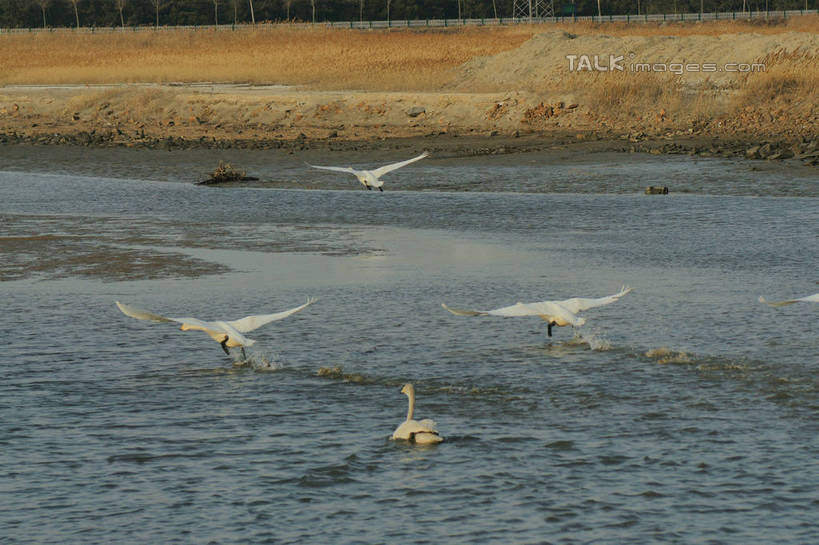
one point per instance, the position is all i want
(43, 6)
(76, 14)
(599, 12)
(495, 9)
(287, 4)
(216, 12)
(120, 7)
(313, 4)
(361, 10)
(252, 15)
(388, 8)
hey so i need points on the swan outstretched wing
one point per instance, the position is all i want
(566, 309)
(141, 314)
(380, 171)
(249, 323)
(576, 304)
(336, 169)
(808, 299)
(462, 312)
(211, 328)
(219, 331)
(187, 323)
(519, 309)
(215, 330)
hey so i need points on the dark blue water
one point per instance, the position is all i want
(684, 413)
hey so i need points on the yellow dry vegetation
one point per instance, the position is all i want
(788, 76)
(319, 57)
(383, 60)
(773, 25)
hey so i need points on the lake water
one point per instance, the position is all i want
(687, 412)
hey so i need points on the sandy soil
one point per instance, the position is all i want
(541, 63)
(548, 106)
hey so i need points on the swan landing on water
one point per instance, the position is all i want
(227, 334)
(555, 313)
(423, 432)
(370, 178)
(807, 299)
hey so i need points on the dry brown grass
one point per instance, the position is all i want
(322, 58)
(789, 79)
(656, 98)
(318, 57)
(784, 95)
(625, 92)
(806, 23)
(787, 76)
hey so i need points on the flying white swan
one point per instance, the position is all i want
(227, 334)
(423, 432)
(808, 299)
(556, 313)
(370, 178)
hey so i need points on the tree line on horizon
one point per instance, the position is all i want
(131, 13)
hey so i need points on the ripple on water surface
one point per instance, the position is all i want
(671, 416)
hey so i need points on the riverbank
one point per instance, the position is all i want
(251, 117)
(726, 89)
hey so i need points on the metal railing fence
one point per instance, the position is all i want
(439, 23)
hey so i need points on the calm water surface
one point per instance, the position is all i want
(684, 413)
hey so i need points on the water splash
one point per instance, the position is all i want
(595, 341)
(259, 361)
(664, 355)
(337, 373)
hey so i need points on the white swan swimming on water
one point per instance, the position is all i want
(808, 299)
(423, 432)
(370, 178)
(227, 334)
(555, 313)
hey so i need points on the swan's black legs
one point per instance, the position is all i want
(368, 188)
(244, 356)
(224, 347)
(380, 189)
(549, 330)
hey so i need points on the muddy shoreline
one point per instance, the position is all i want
(453, 144)
(290, 119)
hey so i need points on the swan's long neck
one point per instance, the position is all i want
(411, 396)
